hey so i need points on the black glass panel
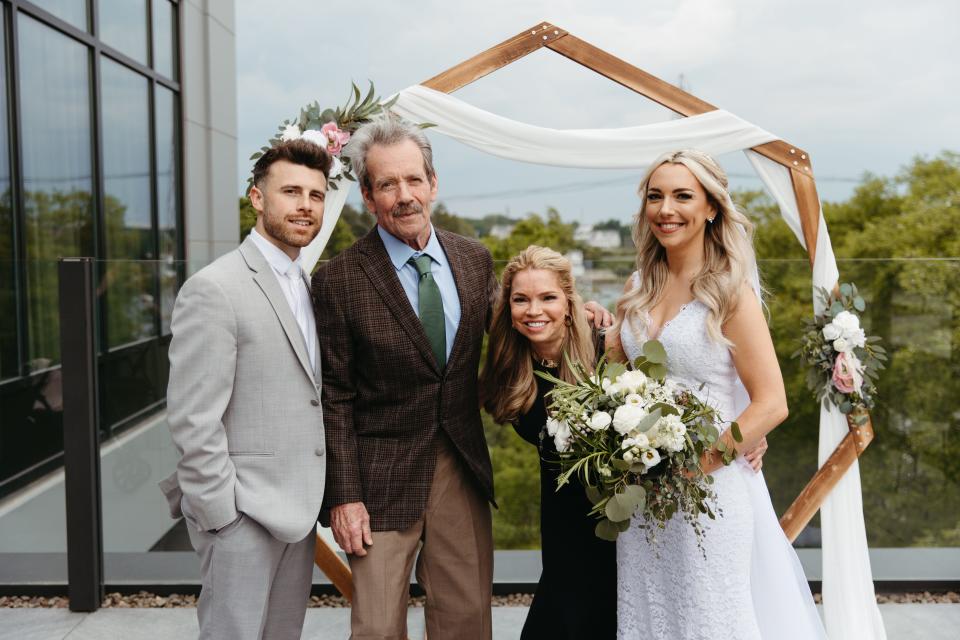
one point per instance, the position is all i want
(123, 26)
(128, 229)
(72, 11)
(31, 426)
(8, 293)
(58, 211)
(131, 381)
(168, 201)
(165, 38)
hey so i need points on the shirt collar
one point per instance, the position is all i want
(400, 252)
(274, 255)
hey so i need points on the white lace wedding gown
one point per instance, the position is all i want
(749, 584)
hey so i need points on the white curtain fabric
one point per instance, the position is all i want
(849, 604)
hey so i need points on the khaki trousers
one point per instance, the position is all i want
(454, 567)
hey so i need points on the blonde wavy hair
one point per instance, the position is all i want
(728, 258)
(508, 387)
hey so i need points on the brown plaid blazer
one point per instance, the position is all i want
(384, 396)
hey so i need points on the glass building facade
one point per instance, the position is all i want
(90, 165)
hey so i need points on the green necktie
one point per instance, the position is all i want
(431, 309)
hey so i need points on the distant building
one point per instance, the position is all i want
(501, 231)
(576, 262)
(597, 238)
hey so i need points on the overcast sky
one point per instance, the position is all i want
(862, 86)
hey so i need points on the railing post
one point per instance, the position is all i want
(81, 440)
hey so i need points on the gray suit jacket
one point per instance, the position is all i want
(243, 403)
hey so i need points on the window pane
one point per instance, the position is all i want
(123, 26)
(58, 211)
(128, 229)
(165, 38)
(72, 11)
(8, 292)
(168, 201)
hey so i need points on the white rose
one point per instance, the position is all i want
(290, 132)
(552, 426)
(634, 399)
(841, 345)
(846, 322)
(650, 458)
(316, 137)
(641, 440)
(600, 421)
(633, 381)
(857, 338)
(831, 332)
(627, 417)
(563, 437)
(614, 389)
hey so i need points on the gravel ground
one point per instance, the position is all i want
(150, 601)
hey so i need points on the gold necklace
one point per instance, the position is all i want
(546, 362)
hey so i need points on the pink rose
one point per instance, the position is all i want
(847, 376)
(335, 137)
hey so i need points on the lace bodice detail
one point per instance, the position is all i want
(694, 359)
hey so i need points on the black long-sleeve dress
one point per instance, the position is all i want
(577, 594)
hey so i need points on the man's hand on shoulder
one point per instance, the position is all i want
(597, 314)
(350, 524)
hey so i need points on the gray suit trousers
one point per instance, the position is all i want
(253, 585)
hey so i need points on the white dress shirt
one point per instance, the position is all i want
(290, 276)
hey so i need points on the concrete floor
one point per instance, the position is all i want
(903, 622)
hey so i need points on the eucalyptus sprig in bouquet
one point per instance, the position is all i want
(634, 439)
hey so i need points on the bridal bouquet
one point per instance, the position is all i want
(634, 439)
(844, 362)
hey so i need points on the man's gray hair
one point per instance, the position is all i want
(385, 132)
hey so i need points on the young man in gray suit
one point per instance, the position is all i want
(244, 409)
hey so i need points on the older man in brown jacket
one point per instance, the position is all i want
(400, 320)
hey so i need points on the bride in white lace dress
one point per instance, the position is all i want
(696, 291)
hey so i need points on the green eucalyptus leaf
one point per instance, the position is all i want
(616, 511)
(613, 370)
(845, 289)
(657, 371)
(836, 308)
(636, 495)
(593, 494)
(735, 431)
(654, 352)
(619, 465)
(859, 304)
(607, 530)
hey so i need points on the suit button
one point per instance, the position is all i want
(315, 402)
(318, 451)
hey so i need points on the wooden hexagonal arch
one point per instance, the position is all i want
(795, 159)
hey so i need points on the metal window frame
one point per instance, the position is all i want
(90, 38)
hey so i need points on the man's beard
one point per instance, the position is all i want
(275, 229)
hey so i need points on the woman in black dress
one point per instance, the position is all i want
(539, 318)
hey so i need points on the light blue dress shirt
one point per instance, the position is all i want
(400, 253)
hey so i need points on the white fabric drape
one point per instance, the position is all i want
(849, 603)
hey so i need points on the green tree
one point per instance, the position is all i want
(533, 229)
(895, 237)
(442, 218)
(248, 216)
